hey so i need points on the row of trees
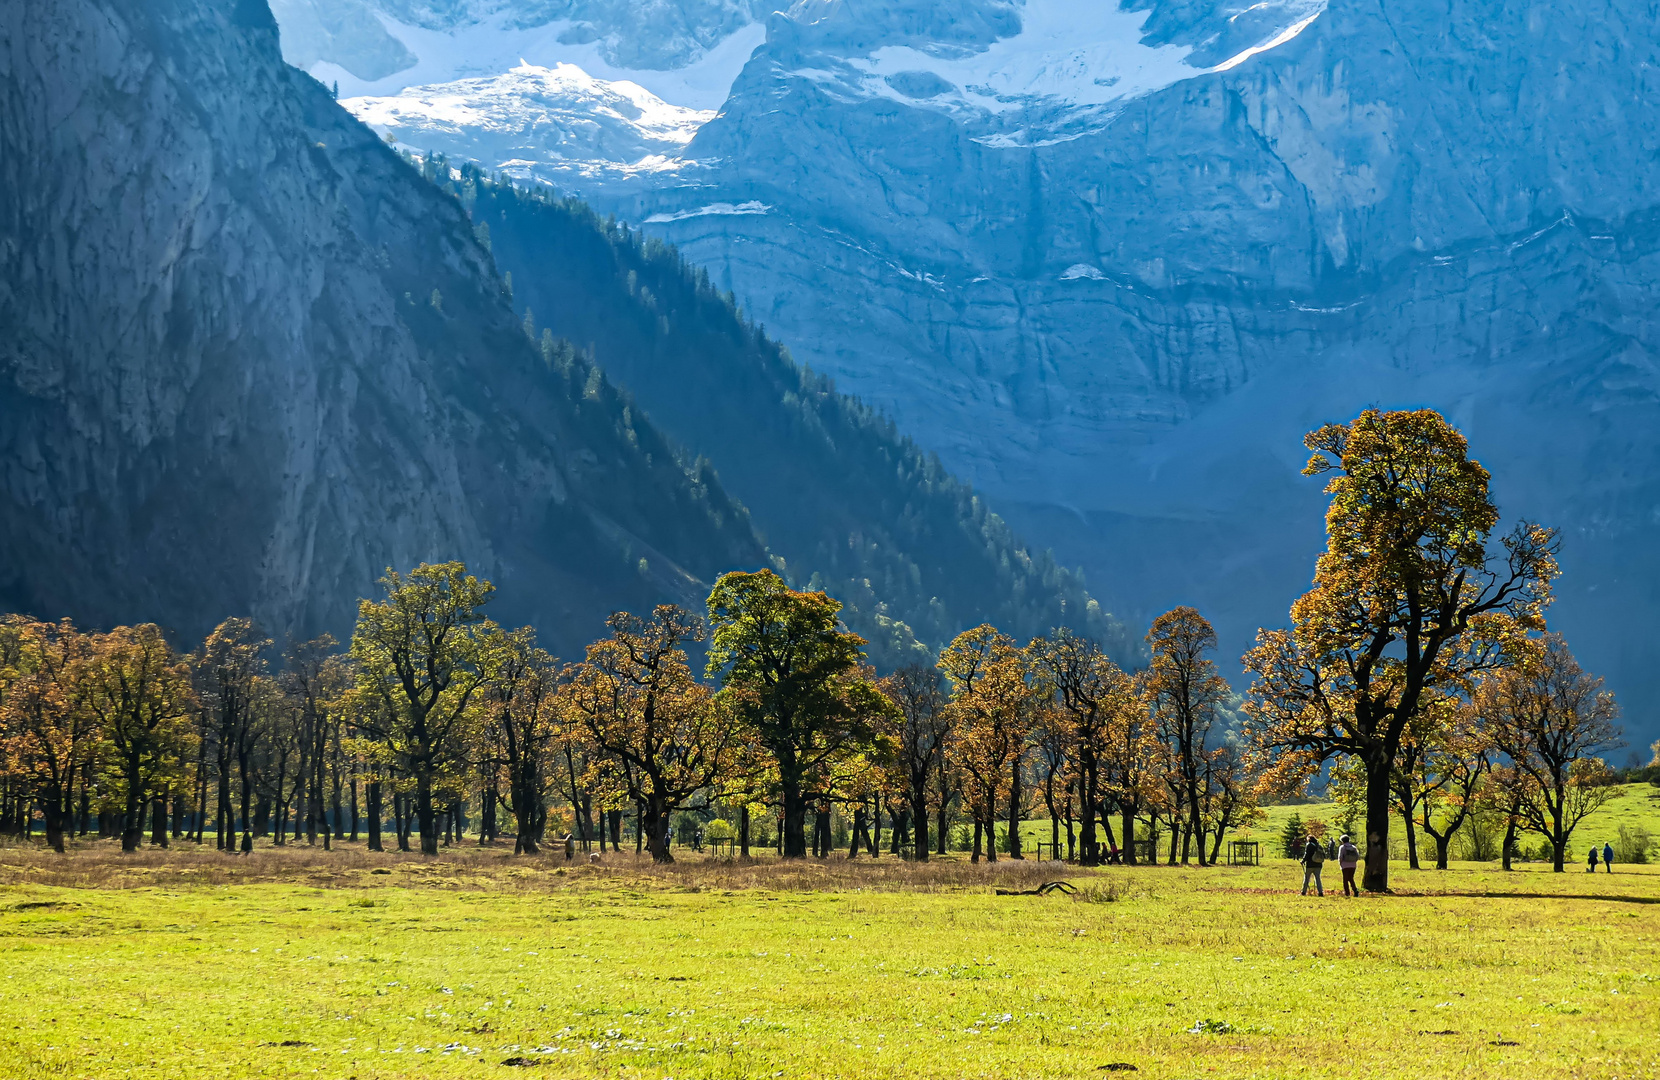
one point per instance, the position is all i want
(437, 709)
(1416, 675)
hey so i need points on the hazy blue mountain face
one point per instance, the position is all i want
(252, 358)
(1111, 262)
(847, 503)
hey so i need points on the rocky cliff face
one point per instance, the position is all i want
(1112, 260)
(252, 358)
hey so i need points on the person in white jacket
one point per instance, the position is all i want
(1348, 857)
(1314, 857)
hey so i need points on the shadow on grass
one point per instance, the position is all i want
(1610, 897)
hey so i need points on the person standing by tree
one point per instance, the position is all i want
(1348, 857)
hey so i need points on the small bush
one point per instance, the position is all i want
(1633, 845)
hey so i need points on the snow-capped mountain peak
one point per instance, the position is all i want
(534, 115)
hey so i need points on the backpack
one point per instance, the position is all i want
(1314, 855)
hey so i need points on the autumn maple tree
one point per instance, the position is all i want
(1409, 600)
(661, 735)
(1090, 691)
(1184, 696)
(995, 703)
(1551, 718)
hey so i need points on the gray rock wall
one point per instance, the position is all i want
(251, 358)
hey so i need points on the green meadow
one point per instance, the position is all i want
(351, 964)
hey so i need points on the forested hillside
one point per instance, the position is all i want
(847, 501)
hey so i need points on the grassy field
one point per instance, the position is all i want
(297, 963)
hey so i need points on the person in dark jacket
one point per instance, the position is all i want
(1608, 857)
(1314, 857)
(1591, 861)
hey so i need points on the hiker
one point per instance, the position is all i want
(570, 847)
(1114, 857)
(1348, 857)
(1608, 857)
(1591, 861)
(1314, 857)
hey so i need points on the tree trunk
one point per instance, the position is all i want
(226, 813)
(795, 818)
(132, 827)
(1558, 839)
(1014, 814)
(1071, 830)
(1376, 876)
(976, 856)
(1054, 831)
(1126, 824)
(158, 822)
(743, 829)
(54, 821)
(1411, 836)
(858, 828)
(990, 813)
(919, 817)
(424, 815)
(376, 812)
(1089, 850)
(656, 828)
(1509, 840)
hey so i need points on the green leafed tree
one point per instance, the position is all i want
(807, 694)
(422, 657)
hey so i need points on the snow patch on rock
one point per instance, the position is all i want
(722, 209)
(1073, 63)
(498, 44)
